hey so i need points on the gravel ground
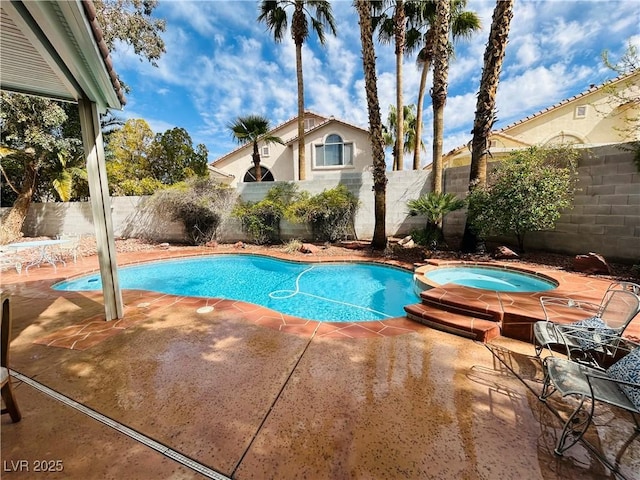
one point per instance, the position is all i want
(396, 252)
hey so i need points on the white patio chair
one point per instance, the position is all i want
(619, 386)
(70, 249)
(595, 338)
(10, 259)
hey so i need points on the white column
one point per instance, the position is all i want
(101, 208)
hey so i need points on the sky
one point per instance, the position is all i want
(221, 63)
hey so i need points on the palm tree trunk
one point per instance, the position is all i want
(400, 33)
(256, 162)
(485, 106)
(379, 240)
(12, 222)
(439, 93)
(423, 86)
(302, 163)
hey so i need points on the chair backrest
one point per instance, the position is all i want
(620, 305)
(5, 330)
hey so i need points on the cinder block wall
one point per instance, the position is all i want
(605, 217)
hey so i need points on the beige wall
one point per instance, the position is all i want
(605, 217)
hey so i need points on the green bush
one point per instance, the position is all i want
(199, 203)
(434, 206)
(261, 220)
(331, 213)
(526, 192)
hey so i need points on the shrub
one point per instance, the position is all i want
(526, 192)
(434, 206)
(199, 203)
(330, 213)
(261, 220)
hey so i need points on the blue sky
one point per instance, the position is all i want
(221, 63)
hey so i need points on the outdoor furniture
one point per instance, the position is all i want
(11, 407)
(71, 248)
(10, 259)
(595, 338)
(619, 386)
(45, 253)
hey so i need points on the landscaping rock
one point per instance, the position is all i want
(211, 244)
(591, 263)
(504, 253)
(309, 248)
(238, 245)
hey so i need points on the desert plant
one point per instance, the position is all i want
(525, 192)
(292, 246)
(199, 203)
(434, 206)
(330, 213)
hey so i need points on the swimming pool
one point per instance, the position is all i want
(336, 292)
(489, 278)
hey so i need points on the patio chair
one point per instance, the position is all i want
(595, 338)
(70, 249)
(11, 407)
(619, 386)
(10, 259)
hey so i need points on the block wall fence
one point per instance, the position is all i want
(605, 217)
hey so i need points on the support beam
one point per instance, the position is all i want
(101, 208)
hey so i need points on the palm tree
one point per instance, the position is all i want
(379, 240)
(409, 128)
(254, 129)
(485, 106)
(273, 13)
(434, 206)
(439, 90)
(394, 27)
(462, 25)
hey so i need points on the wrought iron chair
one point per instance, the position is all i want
(619, 386)
(596, 337)
(11, 407)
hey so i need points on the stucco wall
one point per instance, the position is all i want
(605, 217)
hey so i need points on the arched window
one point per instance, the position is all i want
(334, 152)
(250, 176)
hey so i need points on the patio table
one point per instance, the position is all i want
(45, 255)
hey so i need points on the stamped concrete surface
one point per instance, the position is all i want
(247, 400)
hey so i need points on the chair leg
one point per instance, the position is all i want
(10, 402)
(575, 427)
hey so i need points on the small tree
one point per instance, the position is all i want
(526, 192)
(254, 129)
(434, 206)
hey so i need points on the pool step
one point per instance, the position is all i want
(466, 325)
(450, 301)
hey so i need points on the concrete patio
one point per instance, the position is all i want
(175, 391)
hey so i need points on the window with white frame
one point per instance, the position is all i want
(264, 151)
(309, 123)
(334, 152)
(581, 111)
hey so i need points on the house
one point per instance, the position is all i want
(601, 115)
(332, 145)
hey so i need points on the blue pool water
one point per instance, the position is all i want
(486, 278)
(334, 292)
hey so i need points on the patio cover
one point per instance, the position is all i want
(55, 50)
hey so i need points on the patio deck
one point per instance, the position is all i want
(243, 392)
